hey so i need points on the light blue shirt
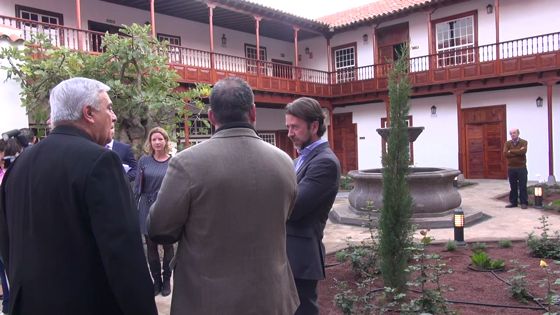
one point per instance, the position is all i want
(305, 152)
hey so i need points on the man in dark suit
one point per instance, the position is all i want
(68, 229)
(318, 174)
(124, 151)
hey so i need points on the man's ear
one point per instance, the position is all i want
(87, 113)
(212, 117)
(253, 114)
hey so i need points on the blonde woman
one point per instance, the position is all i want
(152, 167)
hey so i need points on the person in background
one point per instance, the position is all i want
(69, 234)
(124, 151)
(29, 136)
(318, 174)
(152, 168)
(515, 151)
(5, 289)
(226, 201)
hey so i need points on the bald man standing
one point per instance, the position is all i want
(515, 151)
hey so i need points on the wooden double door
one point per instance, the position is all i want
(485, 135)
(345, 141)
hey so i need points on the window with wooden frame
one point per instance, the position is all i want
(251, 54)
(455, 39)
(43, 19)
(384, 143)
(174, 46)
(345, 62)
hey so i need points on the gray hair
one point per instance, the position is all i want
(70, 96)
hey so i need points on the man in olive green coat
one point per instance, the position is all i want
(226, 201)
(515, 151)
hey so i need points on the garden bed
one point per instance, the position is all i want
(467, 285)
(551, 198)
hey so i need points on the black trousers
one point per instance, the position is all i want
(518, 181)
(155, 262)
(307, 292)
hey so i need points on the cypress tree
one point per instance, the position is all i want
(395, 231)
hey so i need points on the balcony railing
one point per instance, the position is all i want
(450, 65)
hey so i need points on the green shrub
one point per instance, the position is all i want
(451, 245)
(346, 182)
(481, 260)
(547, 245)
(478, 247)
(504, 243)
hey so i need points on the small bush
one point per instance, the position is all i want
(481, 260)
(363, 259)
(518, 289)
(478, 247)
(504, 243)
(346, 182)
(547, 245)
(451, 245)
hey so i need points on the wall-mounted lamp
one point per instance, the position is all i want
(433, 110)
(489, 9)
(307, 50)
(224, 40)
(365, 38)
(539, 101)
(459, 226)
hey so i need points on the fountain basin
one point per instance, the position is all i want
(431, 189)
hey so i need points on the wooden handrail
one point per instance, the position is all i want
(90, 41)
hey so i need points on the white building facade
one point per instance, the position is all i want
(478, 68)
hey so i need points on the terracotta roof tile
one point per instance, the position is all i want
(370, 11)
(11, 33)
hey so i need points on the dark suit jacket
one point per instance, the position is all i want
(73, 245)
(124, 151)
(317, 179)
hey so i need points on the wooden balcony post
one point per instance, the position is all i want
(79, 25)
(296, 57)
(211, 23)
(153, 18)
(329, 60)
(257, 31)
(387, 102)
(498, 55)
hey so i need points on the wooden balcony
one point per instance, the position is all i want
(527, 56)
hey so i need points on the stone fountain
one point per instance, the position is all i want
(434, 197)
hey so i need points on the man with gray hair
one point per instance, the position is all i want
(68, 230)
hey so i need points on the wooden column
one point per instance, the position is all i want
(497, 19)
(79, 24)
(78, 15)
(153, 17)
(296, 59)
(211, 24)
(331, 128)
(431, 59)
(257, 31)
(549, 86)
(387, 102)
(460, 132)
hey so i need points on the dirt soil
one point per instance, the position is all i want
(467, 285)
(547, 198)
